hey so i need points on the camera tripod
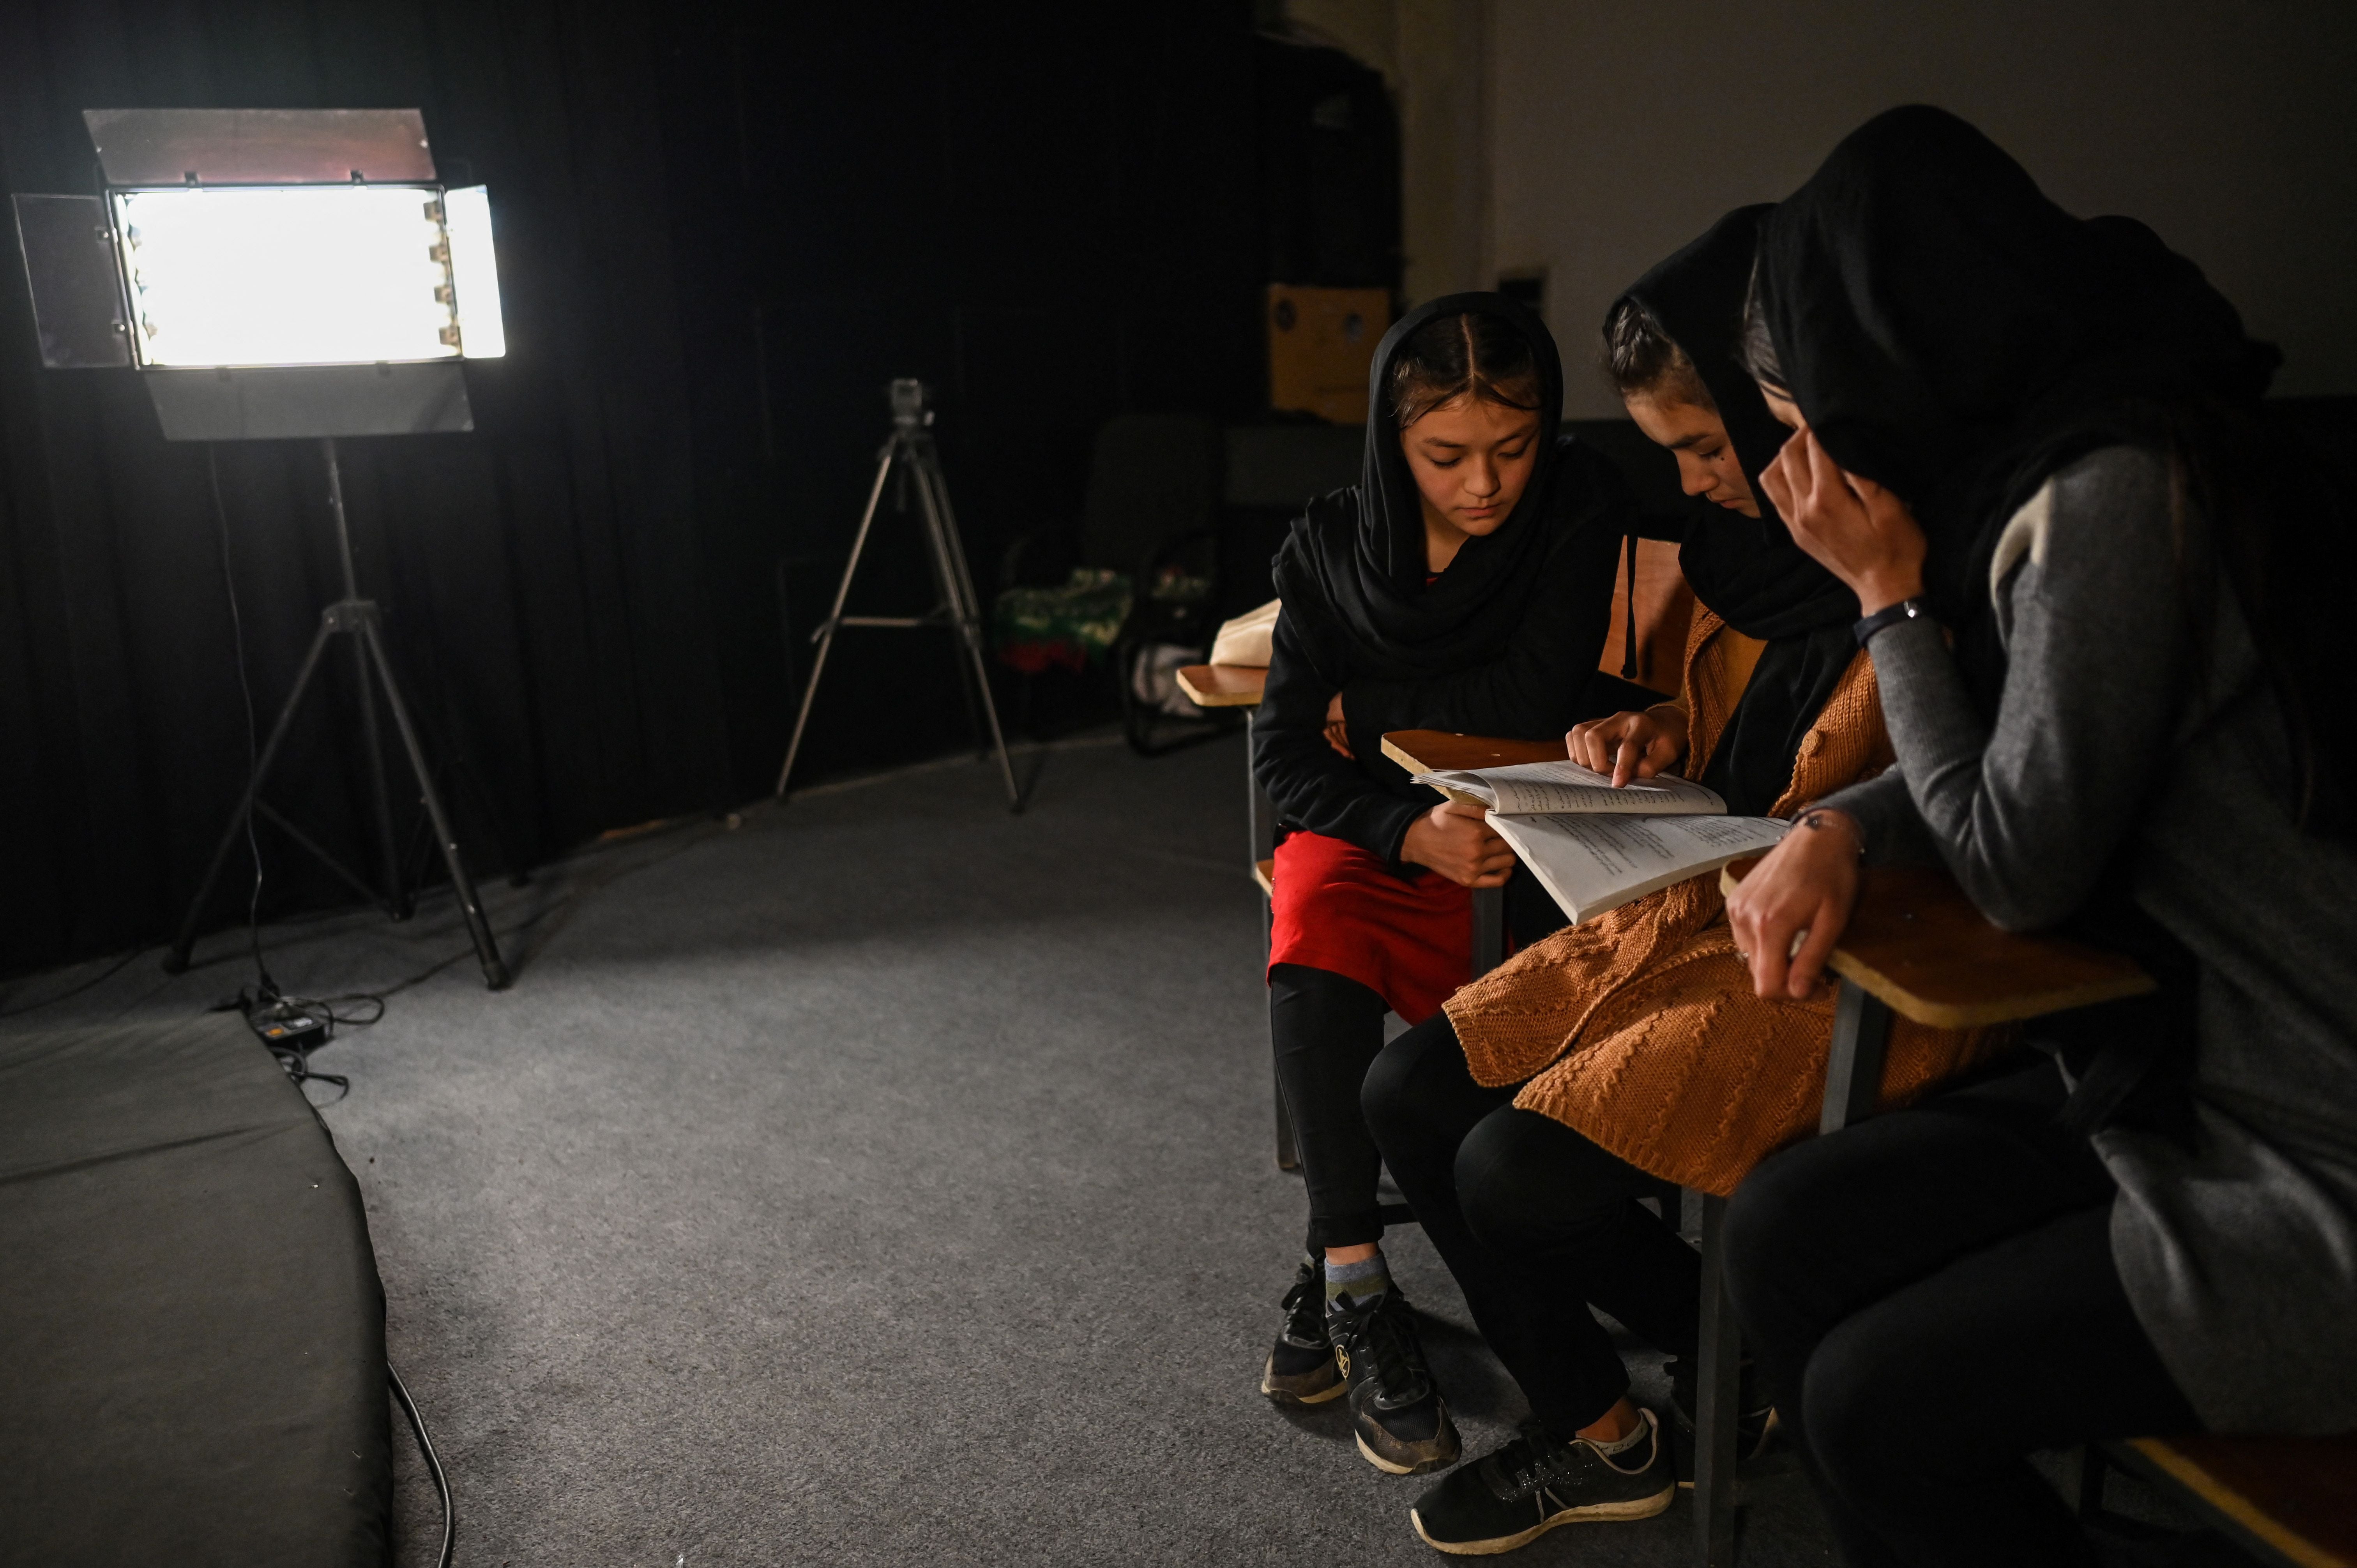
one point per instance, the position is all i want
(909, 452)
(356, 618)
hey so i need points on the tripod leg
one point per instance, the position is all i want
(487, 951)
(319, 852)
(176, 960)
(834, 615)
(952, 605)
(942, 522)
(396, 891)
(466, 780)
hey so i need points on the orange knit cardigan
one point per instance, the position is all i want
(1639, 1030)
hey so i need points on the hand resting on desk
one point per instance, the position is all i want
(1793, 907)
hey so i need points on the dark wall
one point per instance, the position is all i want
(1050, 214)
(719, 237)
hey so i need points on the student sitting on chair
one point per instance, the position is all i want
(1465, 582)
(1525, 1122)
(2044, 434)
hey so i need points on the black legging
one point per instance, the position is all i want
(1933, 1296)
(1536, 1222)
(1326, 1029)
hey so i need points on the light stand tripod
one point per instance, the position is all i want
(910, 448)
(356, 617)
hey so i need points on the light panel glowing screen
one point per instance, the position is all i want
(322, 274)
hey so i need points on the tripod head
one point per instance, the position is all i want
(910, 413)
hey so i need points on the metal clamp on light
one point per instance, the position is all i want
(272, 273)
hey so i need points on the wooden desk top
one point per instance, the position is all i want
(2297, 1494)
(1916, 942)
(1433, 750)
(1222, 685)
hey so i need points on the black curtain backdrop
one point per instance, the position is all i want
(720, 234)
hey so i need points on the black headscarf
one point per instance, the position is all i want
(1950, 333)
(1354, 563)
(1748, 570)
(1953, 334)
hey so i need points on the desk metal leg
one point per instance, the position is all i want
(1854, 1071)
(1489, 929)
(1263, 816)
(1853, 1090)
(2089, 1481)
(1716, 1393)
(1263, 823)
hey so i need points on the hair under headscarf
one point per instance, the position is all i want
(1355, 561)
(1748, 570)
(1953, 334)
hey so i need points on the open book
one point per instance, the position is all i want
(1596, 848)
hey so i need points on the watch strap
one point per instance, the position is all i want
(1889, 616)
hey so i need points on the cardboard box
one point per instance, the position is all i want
(1320, 342)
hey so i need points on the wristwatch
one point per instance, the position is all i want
(1905, 609)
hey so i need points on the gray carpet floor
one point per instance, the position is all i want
(883, 1178)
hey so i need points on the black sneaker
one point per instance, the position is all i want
(1402, 1424)
(1301, 1367)
(1515, 1496)
(1755, 1418)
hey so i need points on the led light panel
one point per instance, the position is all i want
(474, 272)
(290, 274)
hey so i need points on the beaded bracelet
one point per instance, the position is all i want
(1814, 819)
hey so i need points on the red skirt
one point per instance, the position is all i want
(1339, 908)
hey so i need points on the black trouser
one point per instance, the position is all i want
(1326, 1029)
(1535, 1222)
(1933, 1296)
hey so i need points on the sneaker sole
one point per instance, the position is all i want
(1335, 1389)
(1393, 1467)
(1636, 1507)
(1285, 1396)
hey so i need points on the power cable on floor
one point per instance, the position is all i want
(252, 728)
(433, 1462)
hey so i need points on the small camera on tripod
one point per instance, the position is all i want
(909, 410)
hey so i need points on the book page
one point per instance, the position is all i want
(1537, 789)
(1594, 862)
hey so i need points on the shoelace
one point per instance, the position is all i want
(1528, 1464)
(1385, 1335)
(1534, 1462)
(1305, 1312)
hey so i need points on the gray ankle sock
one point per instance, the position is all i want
(1362, 1281)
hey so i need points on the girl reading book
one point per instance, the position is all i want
(1465, 582)
(1524, 1123)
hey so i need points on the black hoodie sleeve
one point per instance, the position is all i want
(1314, 786)
(1533, 691)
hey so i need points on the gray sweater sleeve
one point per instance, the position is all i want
(2027, 812)
(1895, 832)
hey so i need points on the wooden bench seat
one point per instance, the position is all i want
(2288, 1500)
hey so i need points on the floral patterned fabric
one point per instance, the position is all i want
(1073, 625)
